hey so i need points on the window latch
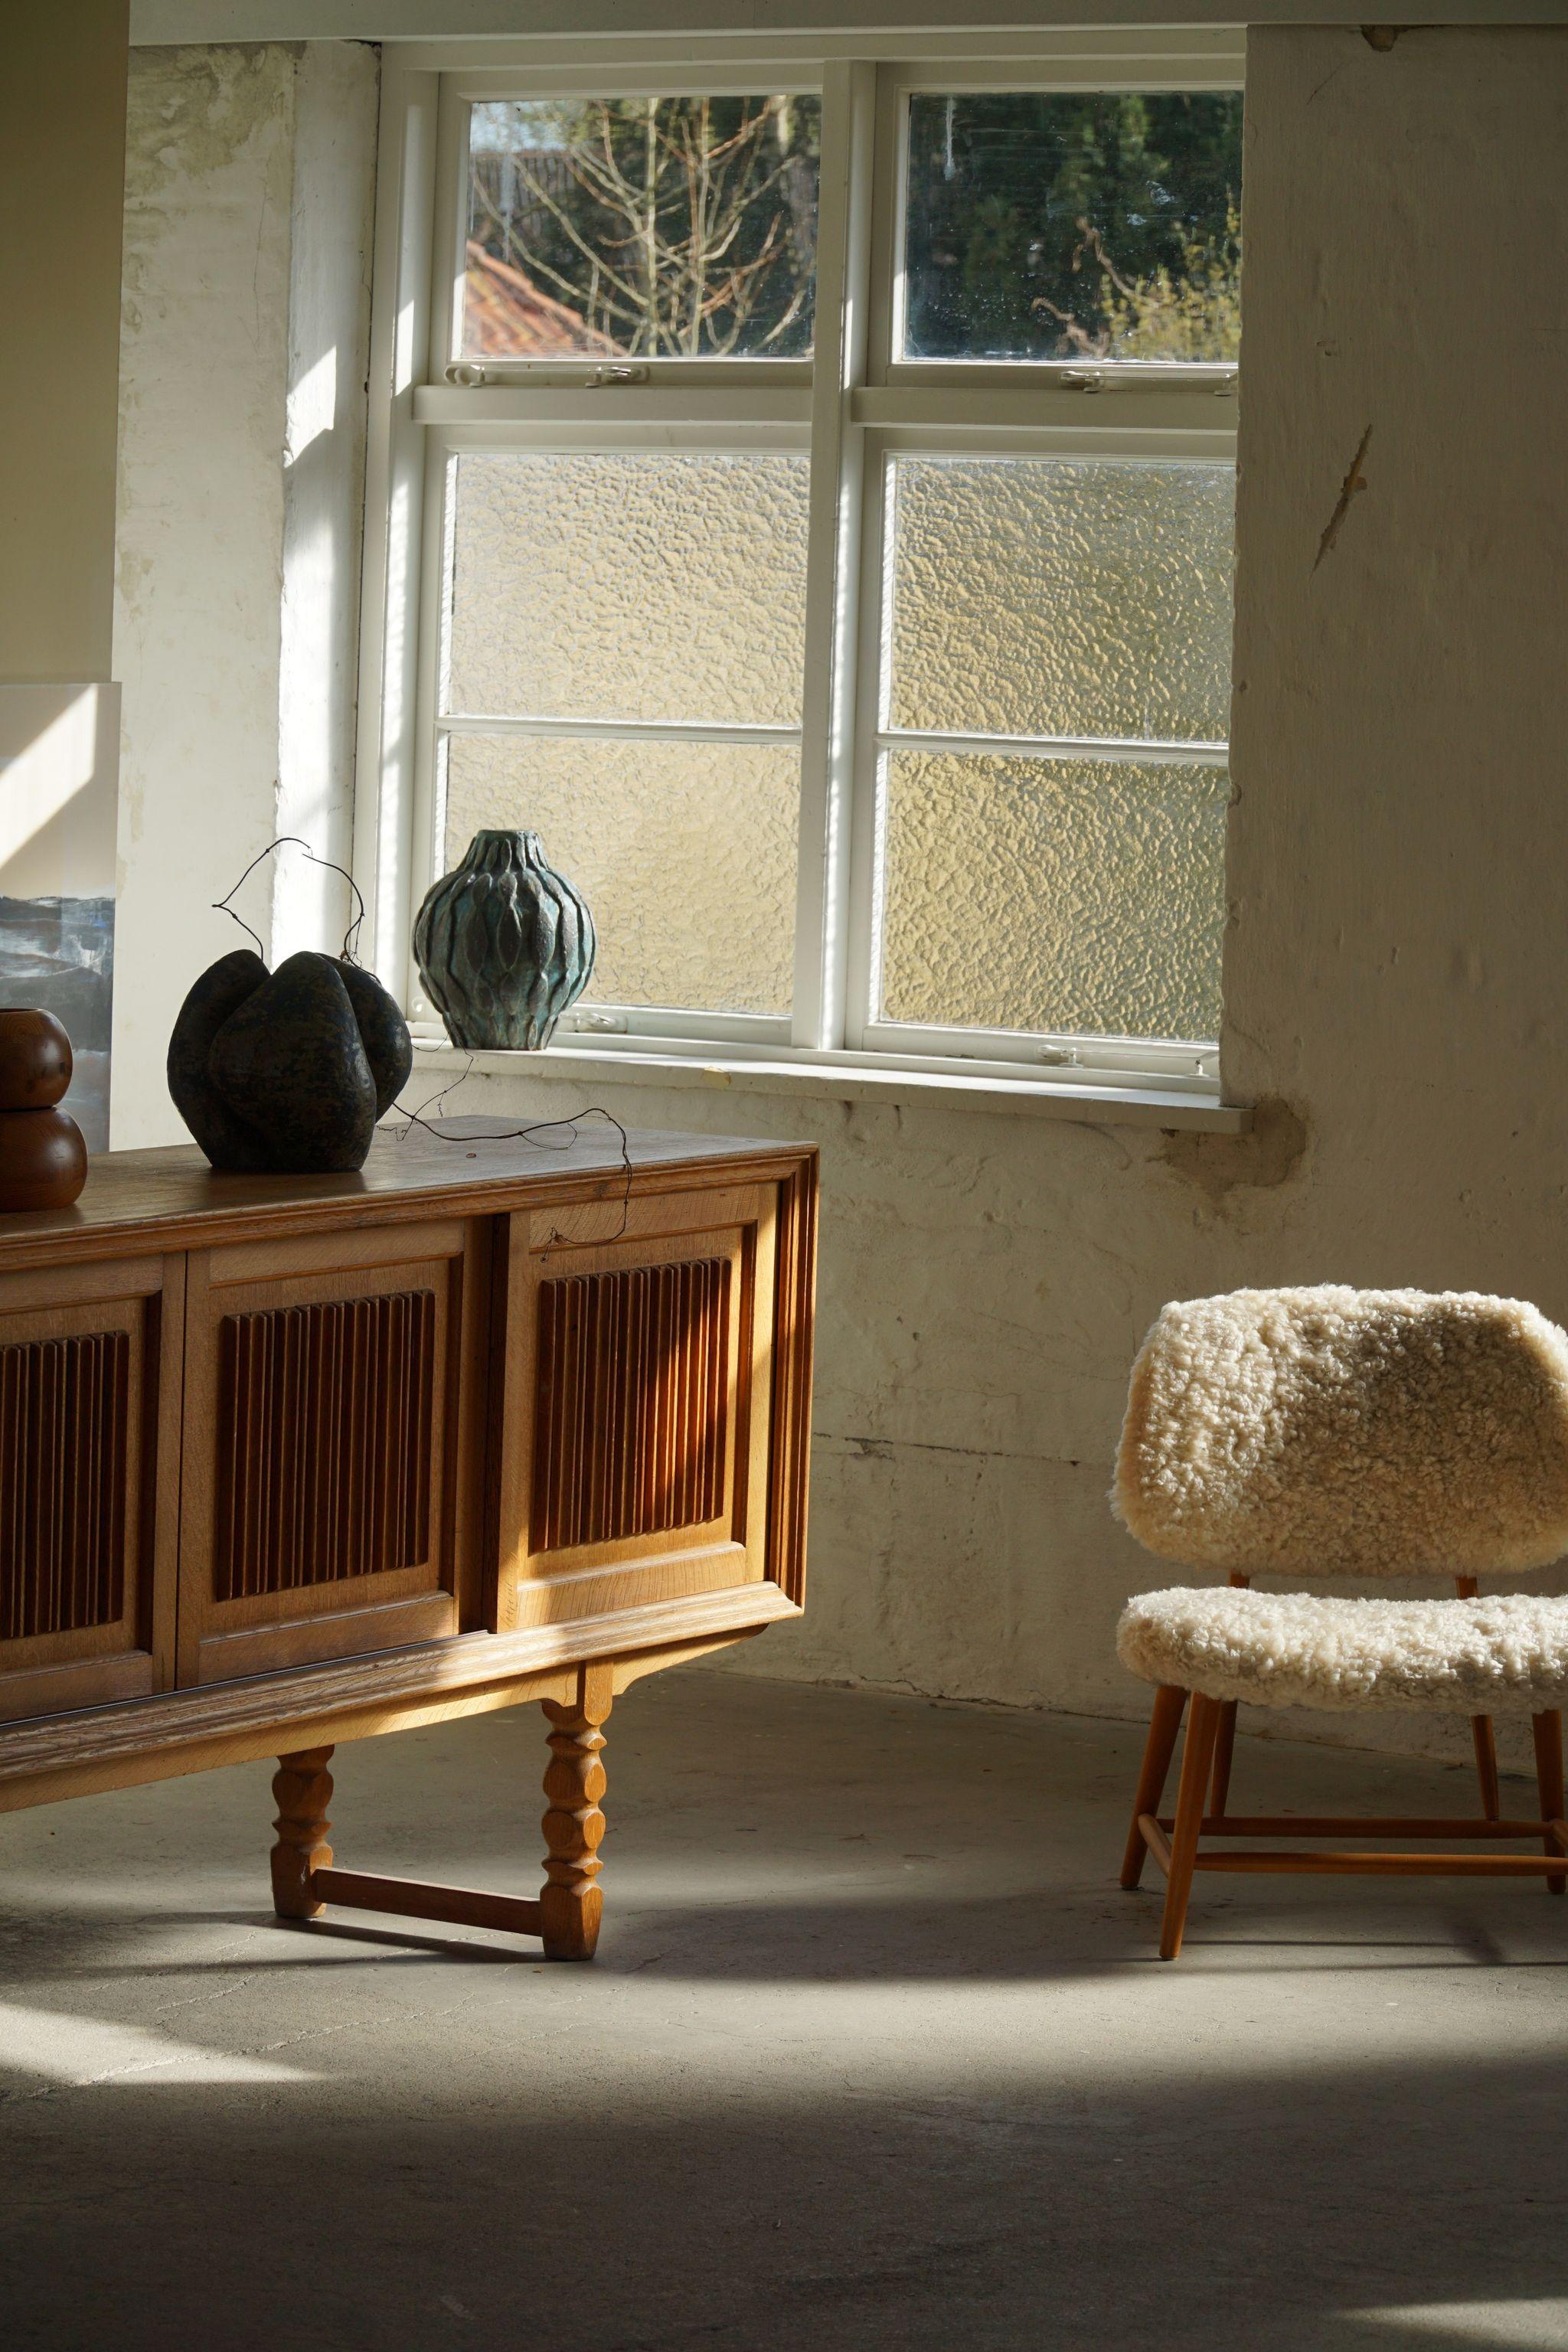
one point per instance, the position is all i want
(465, 373)
(1082, 379)
(608, 1024)
(604, 375)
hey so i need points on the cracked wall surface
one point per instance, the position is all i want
(1393, 989)
(1393, 999)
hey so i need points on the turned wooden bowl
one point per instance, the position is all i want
(35, 1058)
(42, 1159)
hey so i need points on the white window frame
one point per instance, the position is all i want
(853, 405)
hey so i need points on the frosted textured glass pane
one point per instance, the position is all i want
(1047, 596)
(685, 852)
(1076, 895)
(629, 587)
(1089, 224)
(563, 193)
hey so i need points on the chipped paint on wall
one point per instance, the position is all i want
(1394, 1000)
(1395, 989)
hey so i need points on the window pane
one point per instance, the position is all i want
(653, 228)
(653, 587)
(1076, 895)
(1048, 225)
(685, 852)
(1053, 597)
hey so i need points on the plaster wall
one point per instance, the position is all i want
(62, 145)
(612, 20)
(331, 222)
(242, 424)
(1393, 1000)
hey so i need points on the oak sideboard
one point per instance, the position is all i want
(287, 1462)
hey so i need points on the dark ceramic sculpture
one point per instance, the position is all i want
(42, 1159)
(287, 1073)
(504, 944)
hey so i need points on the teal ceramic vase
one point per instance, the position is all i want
(504, 945)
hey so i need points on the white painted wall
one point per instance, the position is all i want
(1397, 968)
(330, 220)
(389, 20)
(242, 422)
(1395, 991)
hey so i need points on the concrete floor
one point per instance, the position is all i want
(875, 2055)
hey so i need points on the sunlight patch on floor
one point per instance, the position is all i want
(59, 2047)
(1536, 2326)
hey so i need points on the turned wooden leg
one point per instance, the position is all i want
(302, 1788)
(1485, 1767)
(1548, 1730)
(1163, 1725)
(1197, 1757)
(1224, 1749)
(572, 1903)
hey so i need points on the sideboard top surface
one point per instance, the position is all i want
(170, 1198)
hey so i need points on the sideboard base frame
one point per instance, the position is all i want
(60, 1756)
(566, 1915)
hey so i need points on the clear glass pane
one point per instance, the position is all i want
(653, 228)
(1043, 596)
(1083, 225)
(1085, 895)
(651, 587)
(685, 852)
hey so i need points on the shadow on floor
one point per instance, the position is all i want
(917, 2083)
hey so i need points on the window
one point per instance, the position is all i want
(805, 501)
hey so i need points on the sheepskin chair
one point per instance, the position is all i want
(1331, 1431)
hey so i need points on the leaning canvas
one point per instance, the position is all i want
(58, 764)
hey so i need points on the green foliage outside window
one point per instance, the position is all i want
(1047, 226)
(1038, 225)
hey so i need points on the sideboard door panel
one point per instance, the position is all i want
(89, 1387)
(324, 1406)
(634, 1389)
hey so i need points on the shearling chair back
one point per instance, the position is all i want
(1336, 1432)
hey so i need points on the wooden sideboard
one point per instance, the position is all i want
(288, 1461)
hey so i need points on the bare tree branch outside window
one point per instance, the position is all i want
(671, 227)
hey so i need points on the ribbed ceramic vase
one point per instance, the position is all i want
(504, 944)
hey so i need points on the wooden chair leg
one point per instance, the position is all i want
(571, 1903)
(1163, 1725)
(302, 1788)
(1225, 1746)
(1198, 1760)
(1486, 1766)
(1224, 1749)
(1548, 1730)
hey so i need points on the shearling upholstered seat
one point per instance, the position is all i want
(1336, 1432)
(1507, 1652)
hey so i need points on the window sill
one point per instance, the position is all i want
(1093, 1106)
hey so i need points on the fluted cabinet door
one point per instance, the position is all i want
(327, 1417)
(633, 1402)
(89, 1437)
